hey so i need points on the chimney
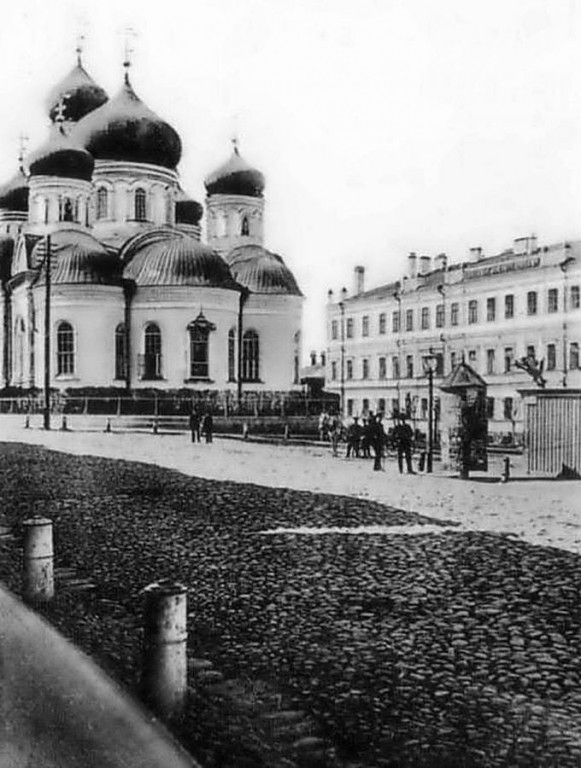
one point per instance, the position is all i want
(441, 261)
(525, 244)
(475, 254)
(358, 280)
(412, 265)
(425, 265)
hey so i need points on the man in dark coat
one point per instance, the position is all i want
(403, 437)
(377, 439)
(195, 426)
(353, 438)
(208, 427)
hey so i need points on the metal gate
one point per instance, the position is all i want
(553, 433)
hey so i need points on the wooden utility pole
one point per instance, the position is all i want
(47, 335)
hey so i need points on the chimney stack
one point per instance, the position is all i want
(425, 265)
(412, 265)
(442, 261)
(359, 280)
(475, 254)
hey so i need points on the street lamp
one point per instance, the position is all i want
(342, 309)
(430, 363)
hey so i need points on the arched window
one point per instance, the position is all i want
(152, 352)
(245, 227)
(67, 209)
(102, 203)
(65, 349)
(120, 352)
(19, 341)
(45, 206)
(140, 205)
(221, 224)
(200, 347)
(250, 356)
(232, 354)
(297, 358)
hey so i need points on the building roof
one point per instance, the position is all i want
(14, 194)
(77, 94)
(188, 210)
(125, 129)
(61, 156)
(262, 271)
(462, 377)
(77, 258)
(172, 258)
(235, 177)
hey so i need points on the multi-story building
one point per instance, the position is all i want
(490, 311)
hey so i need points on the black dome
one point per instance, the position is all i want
(188, 210)
(262, 271)
(78, 259)
(61, 157)
(125, 129)
(79, 94)
(14, 194)
(235, 177)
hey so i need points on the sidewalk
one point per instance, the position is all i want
(540, 511)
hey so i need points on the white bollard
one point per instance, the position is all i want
(164, 679)
(38, 561)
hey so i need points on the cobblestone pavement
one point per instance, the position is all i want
(540, 511)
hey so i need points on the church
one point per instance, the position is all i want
(98, 237)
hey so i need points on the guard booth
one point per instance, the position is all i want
(553, 431)
(463, 421)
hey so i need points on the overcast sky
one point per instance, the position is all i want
(382, 126)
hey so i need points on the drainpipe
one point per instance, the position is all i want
(241, 302)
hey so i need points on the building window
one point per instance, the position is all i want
(440, 316)
(102, 203)
(140, 205)
(551, 357)
(382, 370)
(334, 330)
(531, 352)
(425, 318)
(395, 322)
(394, 406)
(365, 405)
(65, 349)
(409, 320)
(349, 328)
(490, 361)
(232, 354)
(409, 366)
(574, 356)
(491, 310)
(349, 407)
(553, 300)
(508, 408)
(365, 368)
(46, 210)
(381, 405)
(454, 313)
(508, 357)
(382, 323)
(439, 364)
(424, 408)
(120, 352)
(509, 306)
(66, 209)
(452, 360)
(250, 356)
(532, 303)
(473, 311)
(19, 345)
(349, 369)
(575, 297)
(334, 371)
(365, 325)
(395, 372)
(245, 227)
(490, 407)
(152, 352)
(472, 357)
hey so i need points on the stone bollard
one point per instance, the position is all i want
(38, 575)
(505, 476)
(164, 682)
(155, 426)
(27, 423)
(64, 425)
(108, 426)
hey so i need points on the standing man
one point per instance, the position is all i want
(195, 425)
(208, 427)
(353, 438)
(403, 436)
(377, 439)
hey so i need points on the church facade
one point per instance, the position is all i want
(136, 298)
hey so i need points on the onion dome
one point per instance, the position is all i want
(188, 210)
(262, 271)
(14, 194)
(235, 177)
(61, 156)
(77, 258)
(125, 129)
(175, 259)
(75, 96)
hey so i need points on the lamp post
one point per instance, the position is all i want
(342, 309)
(430, 363)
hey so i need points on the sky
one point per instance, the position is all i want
(382, 126)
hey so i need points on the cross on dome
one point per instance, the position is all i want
(235, 144)
(79, 49)
(22, 142)
(59, 115)
(130, 34)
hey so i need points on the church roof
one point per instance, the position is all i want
(75, 95)
(14, 194)
(125, 129)
(262, 271)
(61, 156)
(77, 258)
(172, 258)
(235, 177)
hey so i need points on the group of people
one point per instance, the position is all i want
(368, 435)
(201, 425)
